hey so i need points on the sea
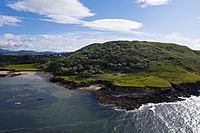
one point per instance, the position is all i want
(29, 103)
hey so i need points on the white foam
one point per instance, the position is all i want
(181, 116)
(18, 103)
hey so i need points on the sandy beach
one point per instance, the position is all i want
(91, 88)
(25, 72)
(13, 74)
(4, 72)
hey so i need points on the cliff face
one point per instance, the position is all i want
(131, 98)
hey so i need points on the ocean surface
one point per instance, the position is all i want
(31, 104)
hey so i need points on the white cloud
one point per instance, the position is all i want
(72, 12)
(11, 37)
(146, 3)
(198, 17)
(75, 40)
(10, 40)
(121, 25)
(193, 43)
(58, 11)
(9, 20)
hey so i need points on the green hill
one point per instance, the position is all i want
(130, 63)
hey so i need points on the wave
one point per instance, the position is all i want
(181, 116)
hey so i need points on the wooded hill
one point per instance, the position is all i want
(125, 56)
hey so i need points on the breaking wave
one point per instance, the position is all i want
(177, 117)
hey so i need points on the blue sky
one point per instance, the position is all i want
(67, 25)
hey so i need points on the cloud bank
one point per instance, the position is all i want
(181, 39)
(72, 41)
(56, 42)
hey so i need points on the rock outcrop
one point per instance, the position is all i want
(131, 98)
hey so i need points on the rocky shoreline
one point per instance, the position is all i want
(131, 98)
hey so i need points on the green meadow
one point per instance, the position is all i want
(21, 67)
(161, 76)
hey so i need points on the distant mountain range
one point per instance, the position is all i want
(24, 52)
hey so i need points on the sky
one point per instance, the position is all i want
(68, 25)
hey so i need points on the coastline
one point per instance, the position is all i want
(131, 98)
(122, 97)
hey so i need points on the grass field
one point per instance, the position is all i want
(155, 77)
(22, 67)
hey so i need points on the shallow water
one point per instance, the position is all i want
(30, 104)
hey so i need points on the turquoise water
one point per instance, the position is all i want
(31, 104)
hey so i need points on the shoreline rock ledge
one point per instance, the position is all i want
(131, 98)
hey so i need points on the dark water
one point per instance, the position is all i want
(30, 104)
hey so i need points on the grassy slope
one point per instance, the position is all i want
(22, 67)
(161, 76)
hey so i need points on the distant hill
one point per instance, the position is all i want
(126, 56)
(23, 52)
